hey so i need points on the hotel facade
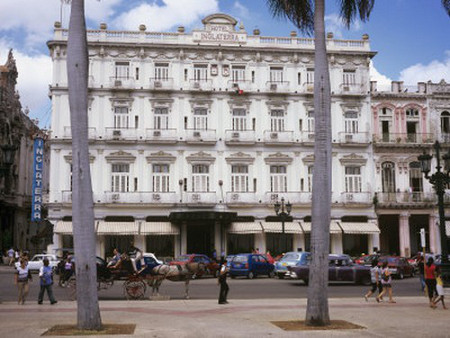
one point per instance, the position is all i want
(194, 136)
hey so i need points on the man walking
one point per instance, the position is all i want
(222, 280)
(11, 256)
(46, 277)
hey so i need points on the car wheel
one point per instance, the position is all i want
(280, 276)
(251, 275)
(306, 281)
(271, 274)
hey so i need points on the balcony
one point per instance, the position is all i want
(294, 197)
(195, 136)
(241, 198)
(307, 137)
(235, 85)
(354, 138)
(167, 136)
(403, 139)
(121, 82)
(200, 198)
(67, 134)
(200, 84)
(66, 196)
(351, 88)
(145, 197)
(161, 83)
(356, 198)
(308, 87)
(278, 137)
(387, 199)
(121, 134)
(444, 138)
(277, 86)
(237, 137)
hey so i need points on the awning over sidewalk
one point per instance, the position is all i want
(118, 228)
(63, 228)
(159, 228)
(245, 228)
(334, 227)
(360, 228)
(276, 227)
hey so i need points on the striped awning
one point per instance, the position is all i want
(276, 227)
(63, 228)
(362, 228)
(334, 227)
(245, 228)
(118, 228)
(159, 228)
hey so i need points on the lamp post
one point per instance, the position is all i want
(283, 211)
(439, 180)
(7, 159)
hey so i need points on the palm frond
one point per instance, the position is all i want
(446, 4)
(299, 12)
(351, 8)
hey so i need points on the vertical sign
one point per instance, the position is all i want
(422, 238)
(38, 167)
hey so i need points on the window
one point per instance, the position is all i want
(200, 72)
(239, 178)
(349, 77)
(162, 71)
(412, 113)
(352, 179)
(161, 178)
(122, 70)
(388, 177)
(351, 122)
(415, 177)
(310, 121)
(200, 178)
(200, 119)
(71, 179)
(161, 118)
(310, 178)
(445, 123)
(238, 73)
(277, 120)
(239, 121)
(276, 74)
(310, 76)
(120, 180)
(278, 178)
(121, 117)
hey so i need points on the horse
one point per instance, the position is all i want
(174, 273)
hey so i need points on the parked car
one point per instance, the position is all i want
(250, 265)
(36, 262)
(290, 259)
(398, 266)
(414, 261)
(212, 267)
(341, 269)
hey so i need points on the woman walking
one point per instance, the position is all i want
(374, 278)
(21, 278)
(430, 280)
(439, 289)
(386, 281)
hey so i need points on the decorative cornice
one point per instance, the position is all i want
(278, 158)
(200, 157)
(121, 156)
(308, 159)
(68, 158)
(353, 159)
(161, 156)
(240, 157)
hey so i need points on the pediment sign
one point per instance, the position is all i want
(68, 158)
(240, 157)
(200, 157)
(220, 28)
(161, 156)
(121, 156)
(278, 158)
(353, 159)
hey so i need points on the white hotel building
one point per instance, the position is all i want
(194, 137)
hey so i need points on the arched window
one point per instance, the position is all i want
(445, 125)
(388, 177)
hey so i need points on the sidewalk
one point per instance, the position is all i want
(410, 317)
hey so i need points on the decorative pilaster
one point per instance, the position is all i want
(405, 244)
(183, 235)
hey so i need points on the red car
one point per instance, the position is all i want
(212, 267)
(398, 266)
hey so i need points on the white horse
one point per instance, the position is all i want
(174, 273)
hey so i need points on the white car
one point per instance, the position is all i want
(36, 262)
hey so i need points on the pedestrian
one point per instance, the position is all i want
(430, 280)
(17, 255)
(374, 278)
(21, 278)
(116, 258)
(270, 258)
(379, 283)
(68, 269)
(421, 266)
(11, 256)
(46, 277)
(439, 289)
(386, 281)
(222, 281)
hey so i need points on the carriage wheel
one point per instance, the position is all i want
(134, 289)
(71, 288)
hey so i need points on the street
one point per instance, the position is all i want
(207, 288)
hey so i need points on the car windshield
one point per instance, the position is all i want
(240, 259)
(183, 258)
(290, 257)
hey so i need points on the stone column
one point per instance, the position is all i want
(218, 239)
(433, 230)
(299, 242)
(404, 236)
(260, 242)
(183, 236)
(373, 242)
(177, 246)
(100, 247)
(336, 244)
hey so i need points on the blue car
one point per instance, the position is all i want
(250, 266)
(290, 259)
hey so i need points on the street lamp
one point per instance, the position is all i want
(439, 180)
(283, 211)
(7, 158)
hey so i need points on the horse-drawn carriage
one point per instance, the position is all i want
(151, 273)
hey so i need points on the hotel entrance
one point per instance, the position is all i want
(200, 238)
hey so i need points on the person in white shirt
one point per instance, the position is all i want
(21, 278)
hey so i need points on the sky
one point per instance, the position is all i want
(411, 37)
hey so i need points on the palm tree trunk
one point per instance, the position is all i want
(317, 306)
(82, 201)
